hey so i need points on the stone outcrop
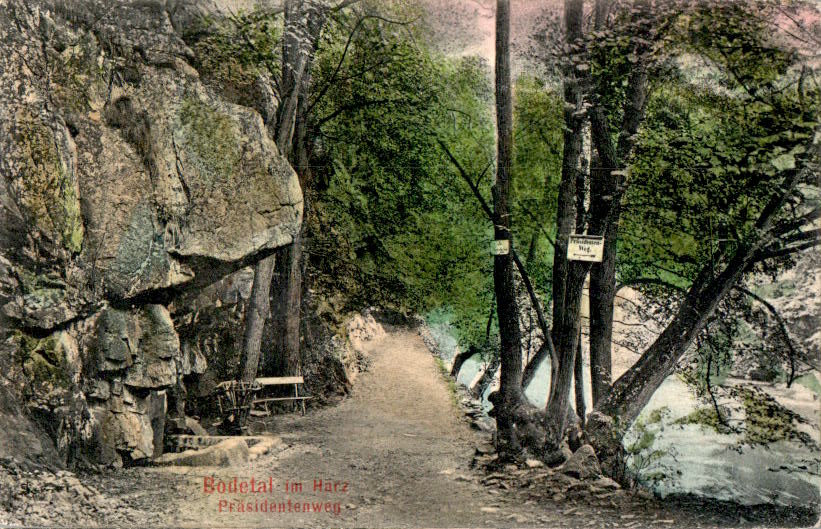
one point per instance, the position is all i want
(124, 182)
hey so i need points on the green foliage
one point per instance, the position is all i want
(721, 129)
(392, 224)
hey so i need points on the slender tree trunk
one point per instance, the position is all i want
(460, 359)
(487, 377)
(506, 306)
(557, 405)
(255, 316)
(606, 181)
(303, 23)
(568, 277)
(532, 366)
(578, 383)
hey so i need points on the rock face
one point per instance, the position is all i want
(123, 180)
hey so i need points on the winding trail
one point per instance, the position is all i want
(400, 451)
(398, 442)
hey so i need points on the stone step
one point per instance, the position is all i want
(182, 442)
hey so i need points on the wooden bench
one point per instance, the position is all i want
(297, 399)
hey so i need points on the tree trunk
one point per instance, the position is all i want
(282, 355)
(286, 301)
(578, 383)
(506, 306)
(602, 302)
(557, 405)
(602, 281)
(303, 23)
(568, 277)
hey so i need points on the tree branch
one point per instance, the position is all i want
(782, 326)
(534, 300)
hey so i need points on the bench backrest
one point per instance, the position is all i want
(279, 381)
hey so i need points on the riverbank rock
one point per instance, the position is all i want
(583, 464)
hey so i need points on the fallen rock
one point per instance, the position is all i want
(533, 463)
(606, 483)
(195, 427)
(583, 464)
(264, 446)
(230, 452)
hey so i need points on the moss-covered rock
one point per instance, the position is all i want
(45, 189)
(211, 137)
(44, 362)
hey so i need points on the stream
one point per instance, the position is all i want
(695, 458)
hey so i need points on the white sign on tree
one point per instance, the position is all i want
(500, 247)
(585, 248)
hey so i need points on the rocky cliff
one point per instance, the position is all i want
(125, 183)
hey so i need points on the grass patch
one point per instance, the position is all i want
(451, 384)
(810, 382)
(705, 417)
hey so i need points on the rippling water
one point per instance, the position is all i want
(696, 459)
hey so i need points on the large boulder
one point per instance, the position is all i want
(122, 173)
(124, 181)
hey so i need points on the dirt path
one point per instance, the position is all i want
(397, 446)
(399, 452)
